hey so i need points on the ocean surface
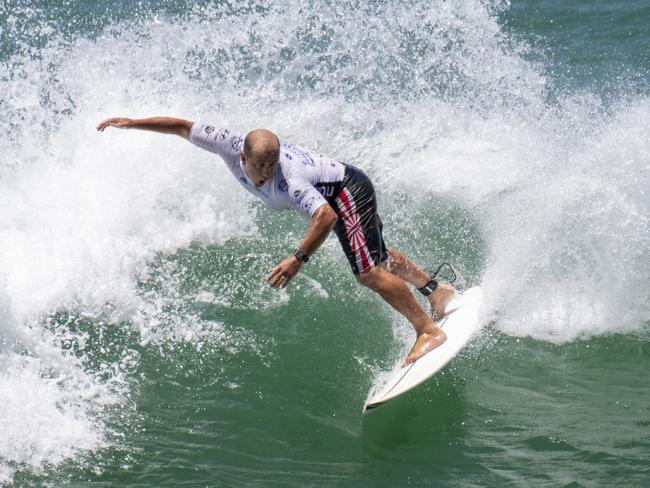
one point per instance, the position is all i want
(139, 343)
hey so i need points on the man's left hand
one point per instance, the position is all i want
(283, 273)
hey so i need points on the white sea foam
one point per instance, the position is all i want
(562, 201)
(45, 414)
(82, 214)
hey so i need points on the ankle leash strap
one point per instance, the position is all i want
(429, 288)
(432, 284)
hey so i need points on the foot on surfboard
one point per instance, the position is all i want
(425, 343)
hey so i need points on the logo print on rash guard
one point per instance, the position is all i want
(309, 204)
(223, 133)
(327, 190)
(236, 141)
(208, 129)
(306, 158)
(283, 185)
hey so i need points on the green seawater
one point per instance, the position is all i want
(139, 343)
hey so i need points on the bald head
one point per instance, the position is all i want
(262, 144)
(261, 155)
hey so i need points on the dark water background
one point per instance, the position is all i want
(138, 343)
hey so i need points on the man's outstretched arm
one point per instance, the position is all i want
(164, 125)
(321, 224)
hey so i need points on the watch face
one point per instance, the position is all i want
(300, 254)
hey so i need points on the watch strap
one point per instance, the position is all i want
(301, 255)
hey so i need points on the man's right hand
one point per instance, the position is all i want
(119, 122)
(164, 125)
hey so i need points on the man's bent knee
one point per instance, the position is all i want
(369, 278)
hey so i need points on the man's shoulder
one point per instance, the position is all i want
(221, 140)
(297, 154)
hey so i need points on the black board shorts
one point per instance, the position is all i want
(359, 227)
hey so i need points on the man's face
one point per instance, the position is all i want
(259, 170)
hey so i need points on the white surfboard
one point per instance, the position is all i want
(460, 325)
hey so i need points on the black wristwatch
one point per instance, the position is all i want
(301, 255)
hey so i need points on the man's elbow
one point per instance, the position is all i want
(184, 129)
(327, 215)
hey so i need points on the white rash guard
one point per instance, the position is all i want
(302, 181)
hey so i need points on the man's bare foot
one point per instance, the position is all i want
(439, 300)
(426, 342)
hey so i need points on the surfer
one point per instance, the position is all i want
(333, 195)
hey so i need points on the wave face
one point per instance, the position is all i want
(123, 246)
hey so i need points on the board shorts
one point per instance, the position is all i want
(358, 227)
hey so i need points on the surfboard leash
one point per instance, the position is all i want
(432, 284)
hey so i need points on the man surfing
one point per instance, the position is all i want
(333, 195)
